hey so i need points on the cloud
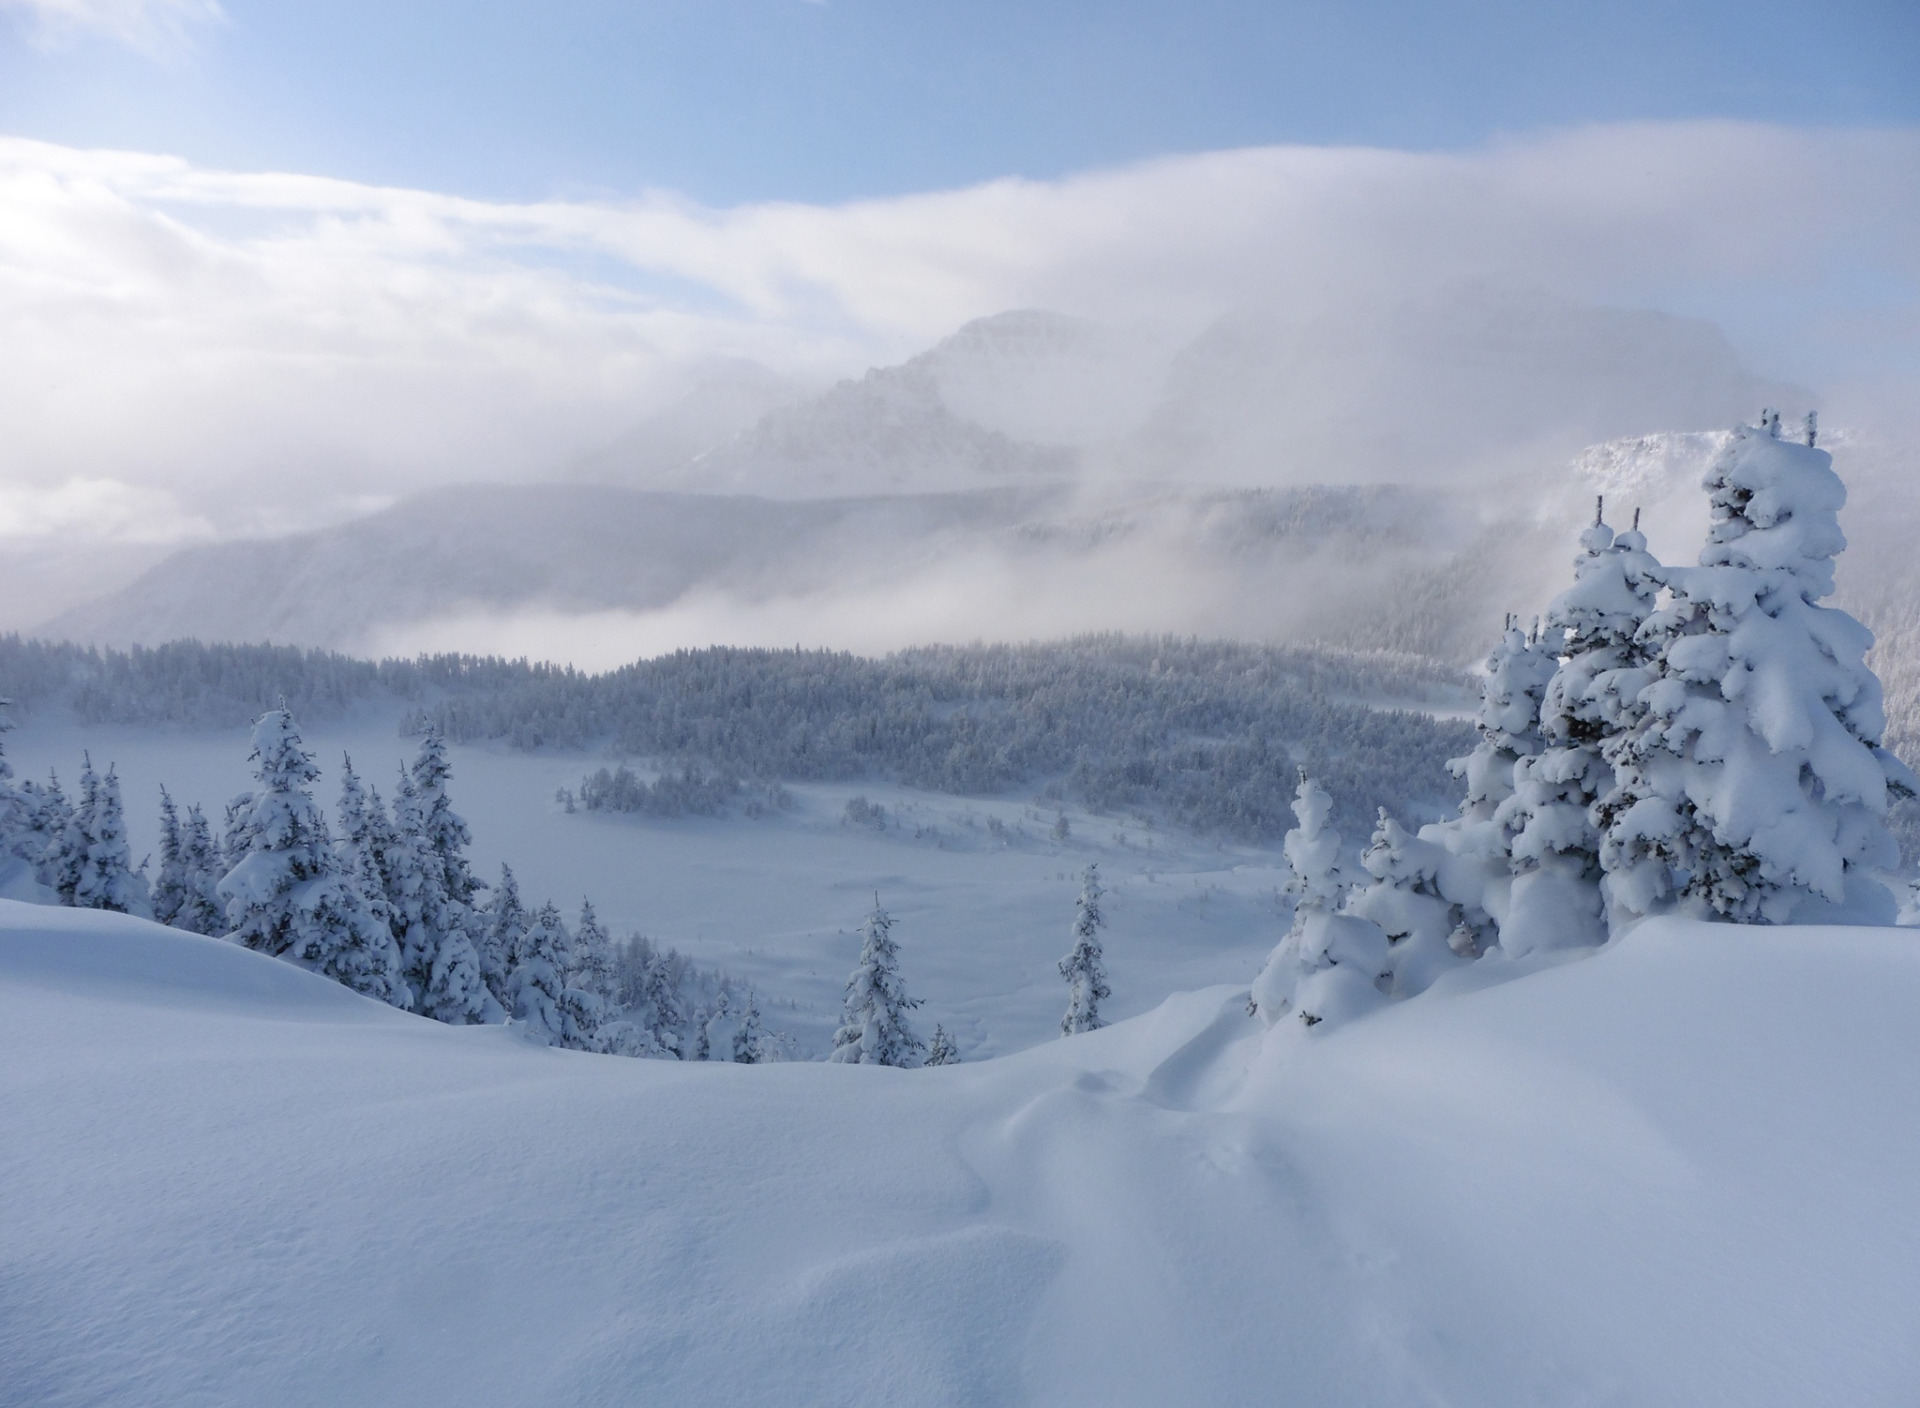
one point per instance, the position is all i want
(267, 346)
(97, 510)
(157, 27)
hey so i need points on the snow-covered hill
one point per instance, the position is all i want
(1664, 1175)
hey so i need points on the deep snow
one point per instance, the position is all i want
(777, 901)
(1677, 1172)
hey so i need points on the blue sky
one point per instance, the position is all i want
(730, 101)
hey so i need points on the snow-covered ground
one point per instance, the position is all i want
(983, 915)
(1678, 1172)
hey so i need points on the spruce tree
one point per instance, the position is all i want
(503, 925)
(1083, 967)
(1328, 963)
(365, 837)
(15, 810)
(665, 1012)
(41, 840)
(440, 964)
(941, 1051)
(1405, 901)
(1559, 794)
(750, 1044)
(172, 884)
(1754, 787)
(67, 860)
(287, 896)
(106, 878)
(873, 1026)
(201, 910)
(536, 980)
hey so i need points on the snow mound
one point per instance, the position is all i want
(1677, 1172)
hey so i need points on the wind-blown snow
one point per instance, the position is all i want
(1678, 1172)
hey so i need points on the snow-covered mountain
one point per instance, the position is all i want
(1654, 1176)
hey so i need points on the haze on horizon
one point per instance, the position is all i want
(267, 273)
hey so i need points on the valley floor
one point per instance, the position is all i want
(1678, 1172)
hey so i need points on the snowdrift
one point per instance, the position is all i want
(1677, 1172)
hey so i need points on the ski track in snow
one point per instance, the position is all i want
(1678, 1172)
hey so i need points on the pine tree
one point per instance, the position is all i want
(67, 861)
(106, 879)
(1753, 786)
(1405, 901)
(665, 1012)
(201, 910)
(1083, 967)
(536, 980)
(750, 1046)
(504, 926)
(439, 962)
(171, 885)
(446, 833)
(1558, 794)
(1328, 963)
(365, 838)
(941, 1051)
(287, 897)
(40, 842)
(873, 1027)
(15, 809)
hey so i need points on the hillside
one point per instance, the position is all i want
(1650, 1177)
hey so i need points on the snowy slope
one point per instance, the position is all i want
(1679, 1172)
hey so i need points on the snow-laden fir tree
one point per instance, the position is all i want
(941, 1051)
(593, 959)
(44, 828)
(750, 1042)
(201, 910)
(716, 1030)
(173, 883)
(106, 878)
(1477, 873)
(288, 896)
(503, 923)
(873, 1027)
(13, 806)
(1328, 964)
(664, 1014)
(67, 859)
(1084, 966)
(1424, 930)
(536, 977)
(446, 833)
(365, 838)
(1556, 897)
(1754, 787)
(440, 964)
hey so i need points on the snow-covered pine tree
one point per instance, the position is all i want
(446, 833)
(365, 836)
(750, 1044)
(201, 910)
(719, 1029)
(504, 924)
(171, 885)
(14, 810)
(873, 1026)
(1755, 782)
(593, 960)
(1477, 872)
(1327, 964)
(537, 978)
(39, 842)
(234, 841)
(1556, 897)
(665, 1013)
(439, 962)
(67, 862)
(941, 1051)
(106, 879)
(288, 897)
(1084, 966)
(1405, 901)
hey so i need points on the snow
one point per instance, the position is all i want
(1658, 1175)
(777, 901)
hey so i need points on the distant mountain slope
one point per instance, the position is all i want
(569, 548)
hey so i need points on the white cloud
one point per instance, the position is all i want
(153, 26)
(266, 345)
(100, 510)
